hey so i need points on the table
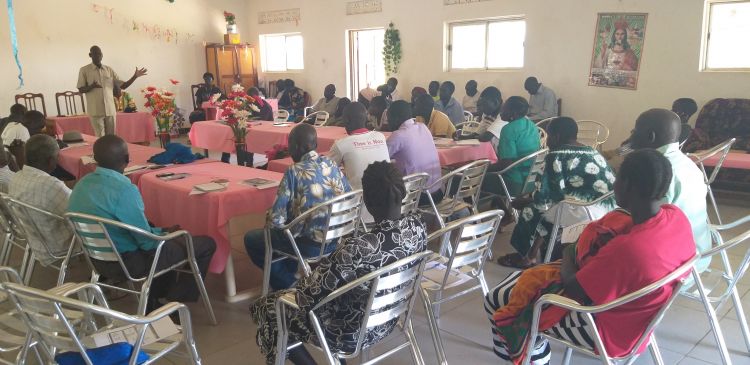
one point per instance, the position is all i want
(734, 160)
(132, 127)
(168, 203)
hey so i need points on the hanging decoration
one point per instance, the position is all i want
(14, 41)
(391, 50)
(153, 31)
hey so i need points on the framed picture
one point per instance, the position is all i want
(618, 50)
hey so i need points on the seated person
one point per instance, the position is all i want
(107, 193)
(383, 191)
(519, 138)
(123, 101)
(16, 115)
(433, 88)
(471, 98)
(542, 100)
(328, 102)
(35, 186)
(266, 112)
(436, 121)
(416, 92)
(293, 100)
(490, 124)
(281, 87)
(660, 129)
(626, 260)
(685, 108)
(365, 95)
(313, 179)
(412, 148)
(337, 118)
(376, 113)
(18, 129)
(449, 105)
(572, 171)
(390, 90)
(6, 173)
(204, 93)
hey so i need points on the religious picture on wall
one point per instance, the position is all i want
(618, 49)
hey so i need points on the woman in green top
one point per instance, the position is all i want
(572, 171)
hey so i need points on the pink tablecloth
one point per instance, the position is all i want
(132, 127)
(169, 203)
(734, 160)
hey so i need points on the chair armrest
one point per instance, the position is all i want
(723, 246)
(724, 227)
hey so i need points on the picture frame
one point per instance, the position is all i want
(618, 50)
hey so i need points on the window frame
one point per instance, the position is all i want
(706, 35)
(448, 43)
(263, 61)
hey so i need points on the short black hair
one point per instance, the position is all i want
(424, 99)
(33, 120)
(491, 92)
(17, 109)
(564, 127)
(382, 185)
(647, 171)
(398, 113)
(517, 105)
(450, 85)
(379, 102)
(289, 83)
(686, 105)
(472, 82)
(207, 74)
(343, 102)
(354, 114)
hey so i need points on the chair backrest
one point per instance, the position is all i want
(282, 116)
(321, 117)
(544, 123)
(71, 106)
(469, 127)
(27, 220)
(722, 149)
(468, 117)
(536, 170)
(29, 100)
(469, 186)
(393, 289)
(307, 111)
(8, 221)
(471, 242)
(542, 137)
(193, 90)
(341, 215)
(592, 133)
(414, 185)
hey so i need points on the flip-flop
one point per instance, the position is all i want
(514, 260)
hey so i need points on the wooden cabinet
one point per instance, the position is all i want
(232, 63)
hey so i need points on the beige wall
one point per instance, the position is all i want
(54, 37)
(558, 51)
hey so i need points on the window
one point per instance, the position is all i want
(486, 44)
(281, 52)
(726, 32)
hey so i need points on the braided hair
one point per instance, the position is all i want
(383, 186)
(648, 172)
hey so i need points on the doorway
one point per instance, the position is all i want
(365, 60)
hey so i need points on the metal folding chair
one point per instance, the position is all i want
(97, 244)
(13, 235)
(29, 100)
(562, 207)
(722, 149)
(321, 117)
(544, 122)
(25, 219)
(592, 133)
(721, 284)
(13, 332)
(59, 323)
(193, 90)
(542, 137)
(469, 127)
(282, 116)
(342, 217)
(465, 196)
(391, 297)
(71, 106)
(463, 270)
(415, 185)
(529, 186)
(589, 312)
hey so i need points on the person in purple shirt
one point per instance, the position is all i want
(412, 148)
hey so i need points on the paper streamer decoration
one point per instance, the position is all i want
(154, 31)
(14, 41)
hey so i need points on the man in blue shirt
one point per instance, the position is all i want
(107, 193)
(448, 104)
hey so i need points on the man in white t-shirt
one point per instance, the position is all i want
(15, 131)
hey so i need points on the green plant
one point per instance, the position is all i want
(391, 50)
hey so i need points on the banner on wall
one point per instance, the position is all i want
(618, 50)
(457, 2)
(279, 16)
(364, 7)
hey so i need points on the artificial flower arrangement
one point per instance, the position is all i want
(162, 105)
(229, 17)
(277, 152)
(238, 108)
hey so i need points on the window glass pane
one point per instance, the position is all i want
(274, 53)
(467, 46)
(294, 58)
(729, 34)
(505, 44)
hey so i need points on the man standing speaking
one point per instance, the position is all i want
(98, 81)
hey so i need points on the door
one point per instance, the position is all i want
(365, 60)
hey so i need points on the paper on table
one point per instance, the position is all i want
(468, 142)
(260, 183)
(160, 329)
(444, 142)
(131, 169)
(207, 188)
(73, 145)
(87, 160)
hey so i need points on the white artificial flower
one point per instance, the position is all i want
(254, 108)
(600, 161)
(215, 97)
(610, 177)
(557, 166)
(562, 184)
(527, 214)
(601, 187)
(576, 181)
(573, 163)
(591, 168)
(237, 88)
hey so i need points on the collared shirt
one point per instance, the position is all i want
(543, 104)
(357, 151)
(39, 189)
(14, 131)
(100, 101)
(313, 180)
(439, 124)
(519, 139)
(5, 176)
(327, 105)
(453, 110)
(688, 192)
(470, 103)
(109, 194)
(413, 150)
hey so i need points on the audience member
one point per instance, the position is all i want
(416, 92)
(107, 193)
(204, 93)
(436, 121)
(448, 104)
(659, 242)
(471, 98)
(6, 173)
(35, 186)
(17, 130)
(16, 115)
(660, 129)
(365, 96)
(266, 112)
(394, 237)
(490, 125)
(328, 102)
(685, 108)
(376, 112)
(412, 148)
(312, 180)
(392, 93)
(542, 100)
(34, 121)
(293, 100)
(572, 171)
(280, 87)
(337, 118)
(124, 103)
(433, 88)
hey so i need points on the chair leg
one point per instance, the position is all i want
(267, 262)
(437, 341)
(204, 294)
(655, 352)
(713, 203)
(24, 263)
(741, 317)
(29, 270)
(416, 354)
(567, 356)
(143, 299)
(712, 319)
(483, 283)
(5, 249)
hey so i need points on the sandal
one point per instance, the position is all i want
(515, 260)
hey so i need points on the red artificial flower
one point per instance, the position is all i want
(169, 93)
(174, 82)
(151, 88)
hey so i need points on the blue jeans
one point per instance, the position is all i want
(282, 272)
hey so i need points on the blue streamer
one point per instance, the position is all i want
(14, 41)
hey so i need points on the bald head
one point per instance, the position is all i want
(111, 152)
(655, 128)
(302, 140)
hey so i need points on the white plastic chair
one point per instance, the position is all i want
(542, 137)
(97, 245)
(468, 117)
(461, 272)
(466, 196)
(589, 312)
(391, 297)
(282, 116)
(701, 157)
(307, 111)
(469, 127)
(342, 216)
(544, 122)
(563, 207)
(321, 117)
(535, 170)
(592, 133)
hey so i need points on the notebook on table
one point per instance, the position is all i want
(260, 183)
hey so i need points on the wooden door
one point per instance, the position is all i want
(246, 72)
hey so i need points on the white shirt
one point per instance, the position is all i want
(356, 152)
(5, 176)
(469, 103)
(496, 128)
(14, 131)
(543, 104)
(39, 189)
(100, 101)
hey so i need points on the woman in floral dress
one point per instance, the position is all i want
(572, 171)
(393, 238)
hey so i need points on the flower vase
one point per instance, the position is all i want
(164, 139)
(244, 158)
(231, 28)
